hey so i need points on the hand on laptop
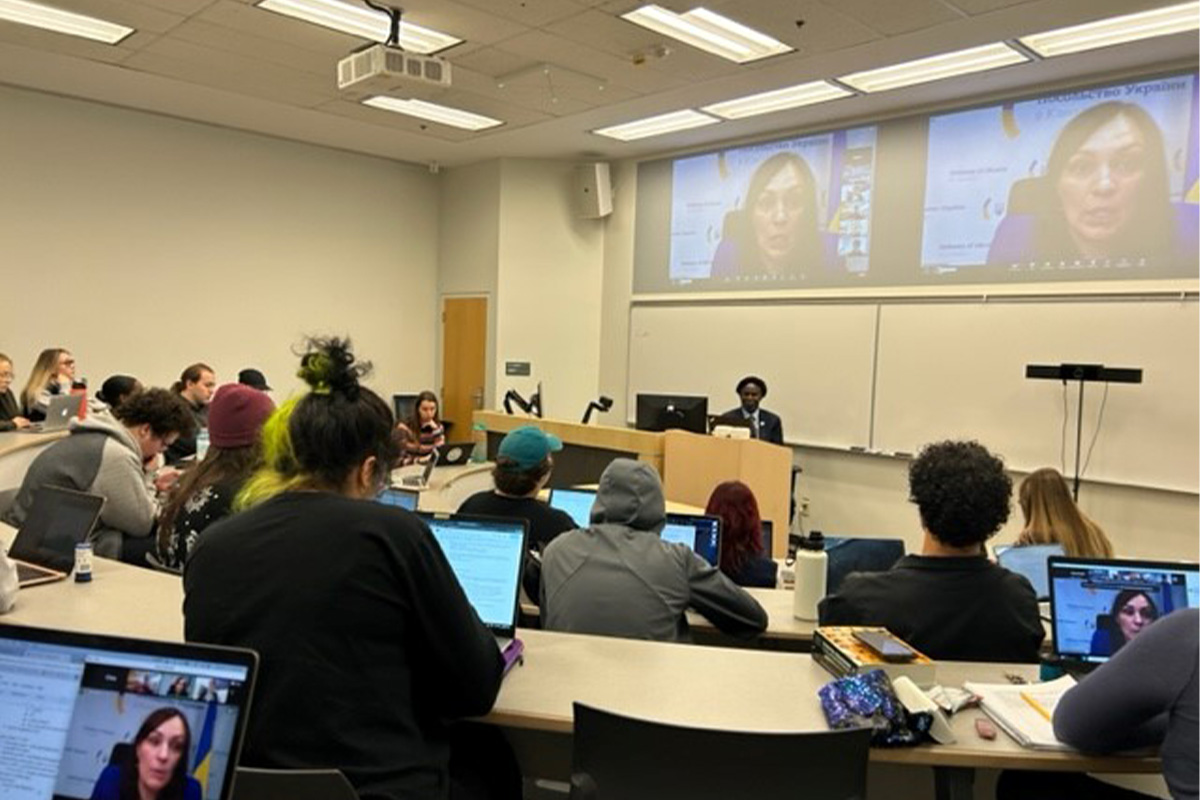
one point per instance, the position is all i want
(20, 422)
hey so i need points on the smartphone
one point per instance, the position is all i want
(886, 646)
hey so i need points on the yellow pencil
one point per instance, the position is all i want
(1038, 707)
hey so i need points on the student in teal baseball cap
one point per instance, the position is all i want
(523, 466)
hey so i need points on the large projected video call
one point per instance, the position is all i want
(1090, 184)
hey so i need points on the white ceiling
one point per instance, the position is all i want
(229, 63)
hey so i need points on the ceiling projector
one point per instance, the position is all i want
(381, 68)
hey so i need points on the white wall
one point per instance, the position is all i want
(143, 243)
(549, 287)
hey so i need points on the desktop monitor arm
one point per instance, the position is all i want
(602, 405)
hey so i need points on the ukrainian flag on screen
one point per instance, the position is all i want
(204, 748)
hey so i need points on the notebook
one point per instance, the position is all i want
(486, 555)
(1030, 562)
(81, 699)
(699, 532)
(59, 519)
(1098, 605)
(1024, 711)
(61, 409)
(577, 503)
(402, 498)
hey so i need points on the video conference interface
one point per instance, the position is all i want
(1098, 608)
(68, 714)
(1086, 184)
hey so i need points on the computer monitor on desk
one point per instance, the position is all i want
(662, 412)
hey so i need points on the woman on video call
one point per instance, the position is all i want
(1132, 612)
(157, 768)
(1105, 196)
(775, 232)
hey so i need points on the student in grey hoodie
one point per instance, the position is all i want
(618, 578)
(105, 455)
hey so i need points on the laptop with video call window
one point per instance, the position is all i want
(701, 533)
(44, 547)
(577, 503)
(1089, 627)
(75, 703)
(487, 555)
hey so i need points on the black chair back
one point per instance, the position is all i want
(848, 555)
(622, 758)
(291, 784)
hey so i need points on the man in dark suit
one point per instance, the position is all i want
(763, 424)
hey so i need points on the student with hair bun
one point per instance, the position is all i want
(350, 603)
(116, 389)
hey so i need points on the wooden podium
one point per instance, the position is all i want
(693, 465)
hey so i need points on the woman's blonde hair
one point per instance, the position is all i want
(1051, 517)
(45, 368)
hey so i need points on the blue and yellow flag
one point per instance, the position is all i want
(204, 748)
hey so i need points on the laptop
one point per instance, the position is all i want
(1030, 562)
(487, 554)
(455, 453)
(577, 503)
(699, 532)
(75, 702)
(421, 480)
(402, 498)
(1098, 605)
(61, 409)
(59, 519)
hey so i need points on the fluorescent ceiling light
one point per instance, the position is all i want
(443, 115)
(804, 94)
(1115, 30)
(54, 19)
(360, 21)
(708, 31)
(935, 68)
(656, 126)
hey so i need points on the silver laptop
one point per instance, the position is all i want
(421, 481)
(62, 409)
(74, 703)
(59, 519)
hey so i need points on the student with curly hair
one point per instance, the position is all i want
(346, 600)
(107, 454)
(950, 601)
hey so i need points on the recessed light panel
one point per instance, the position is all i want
(1115, 30)
(934, 68)
(55, 19)
(360, 21)
(657, 125)
(710, 32)
(443, 115)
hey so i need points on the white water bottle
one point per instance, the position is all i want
(811, 567)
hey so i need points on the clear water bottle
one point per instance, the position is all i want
(201, 443)
(812, 566)
(479, 451)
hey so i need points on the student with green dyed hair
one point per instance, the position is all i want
(347, 601)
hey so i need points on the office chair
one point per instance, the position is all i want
(252, 783)
(848, 554)
(621, 758)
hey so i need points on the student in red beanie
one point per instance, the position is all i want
(205, 494)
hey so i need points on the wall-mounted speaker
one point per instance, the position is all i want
(593, 191)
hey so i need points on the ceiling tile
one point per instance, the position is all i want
(240, 16)
(493, 62)
(219, 37)
(533, 13)
(984, 6)
(894, 18)
(824, 30)
(542, 46)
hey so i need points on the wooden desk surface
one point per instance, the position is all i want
(705, 686)
(736, 689)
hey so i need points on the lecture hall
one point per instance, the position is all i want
(680, 333)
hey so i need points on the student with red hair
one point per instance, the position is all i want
(743, 558)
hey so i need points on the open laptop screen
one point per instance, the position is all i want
(1029, 561)
(486, 555)
(576, 502)
(701, 533)
(403, 498)
(73, 705)
(58, 520)
(1099, 605)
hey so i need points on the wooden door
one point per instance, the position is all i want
(464, 361)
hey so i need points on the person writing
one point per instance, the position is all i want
(422, 433)
(1052, 517)
(344, 599)
(10, 411)
(763, 424)
(158, 768)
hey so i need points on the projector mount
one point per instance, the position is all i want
(394, 13)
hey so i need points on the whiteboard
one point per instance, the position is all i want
(817, 361)
(958, 370)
